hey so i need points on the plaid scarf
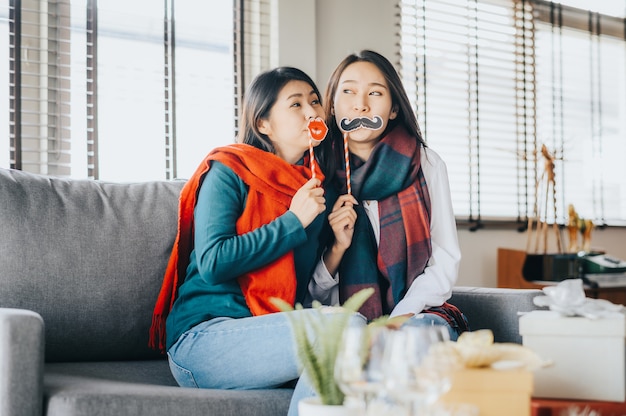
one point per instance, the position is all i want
(393, 176)
(272, 183)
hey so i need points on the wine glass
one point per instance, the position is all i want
(432, 369)
(358, 367)
(414, 375)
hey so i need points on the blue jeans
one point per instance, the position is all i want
(225, 353)
(250, 353)
(428, 319)
(247, 353)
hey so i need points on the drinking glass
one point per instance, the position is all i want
(358, 368)
(414, 375)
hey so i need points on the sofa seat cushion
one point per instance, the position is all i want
(146, 388)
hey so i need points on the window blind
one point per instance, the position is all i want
(462, 62)
(254, 53)
(259, 29)
(7, 156)
(90, 96)
(39, 68)
(494, 80)
(169, 79)
(581, 58)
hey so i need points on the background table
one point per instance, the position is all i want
(558, 407)
(511, 263)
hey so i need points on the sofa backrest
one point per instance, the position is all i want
(497, 309)
(89, 257)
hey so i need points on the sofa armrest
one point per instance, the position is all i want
(495, 308)
(21, 362)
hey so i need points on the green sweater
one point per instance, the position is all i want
(219, 256)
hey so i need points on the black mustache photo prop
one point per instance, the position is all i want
(348, 125)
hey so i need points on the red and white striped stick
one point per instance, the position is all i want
(346, 153)
(312, 157)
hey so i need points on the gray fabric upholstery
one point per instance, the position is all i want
(495, 308)
(21, 362)
(146, 388)
(88, 257)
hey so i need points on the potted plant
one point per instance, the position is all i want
(327, 325)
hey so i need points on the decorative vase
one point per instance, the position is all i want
(311, 406)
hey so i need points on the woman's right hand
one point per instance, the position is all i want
(308, 202)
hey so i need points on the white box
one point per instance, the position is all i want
(588, 355)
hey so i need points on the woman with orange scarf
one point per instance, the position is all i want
(251, 220)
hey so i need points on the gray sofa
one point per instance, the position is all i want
(81, 263)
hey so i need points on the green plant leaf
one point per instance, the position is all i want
(326, 327)
(357, 300)
(282, 305)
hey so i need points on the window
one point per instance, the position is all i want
(116, 90)
(494, 80)
(5, 155)
(581, 108)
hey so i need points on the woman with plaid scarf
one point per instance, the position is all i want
(404, 242)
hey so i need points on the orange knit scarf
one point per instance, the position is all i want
(272, 183)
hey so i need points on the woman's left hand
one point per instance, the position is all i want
(342, 219)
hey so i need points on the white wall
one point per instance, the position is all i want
(296, 36)
(340, 27)
(347, 26)
(315, 35)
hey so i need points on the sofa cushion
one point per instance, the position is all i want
(145, 388)
(89, 257)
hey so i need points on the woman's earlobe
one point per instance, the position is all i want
(262, 126)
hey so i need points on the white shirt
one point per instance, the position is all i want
(434, 286)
